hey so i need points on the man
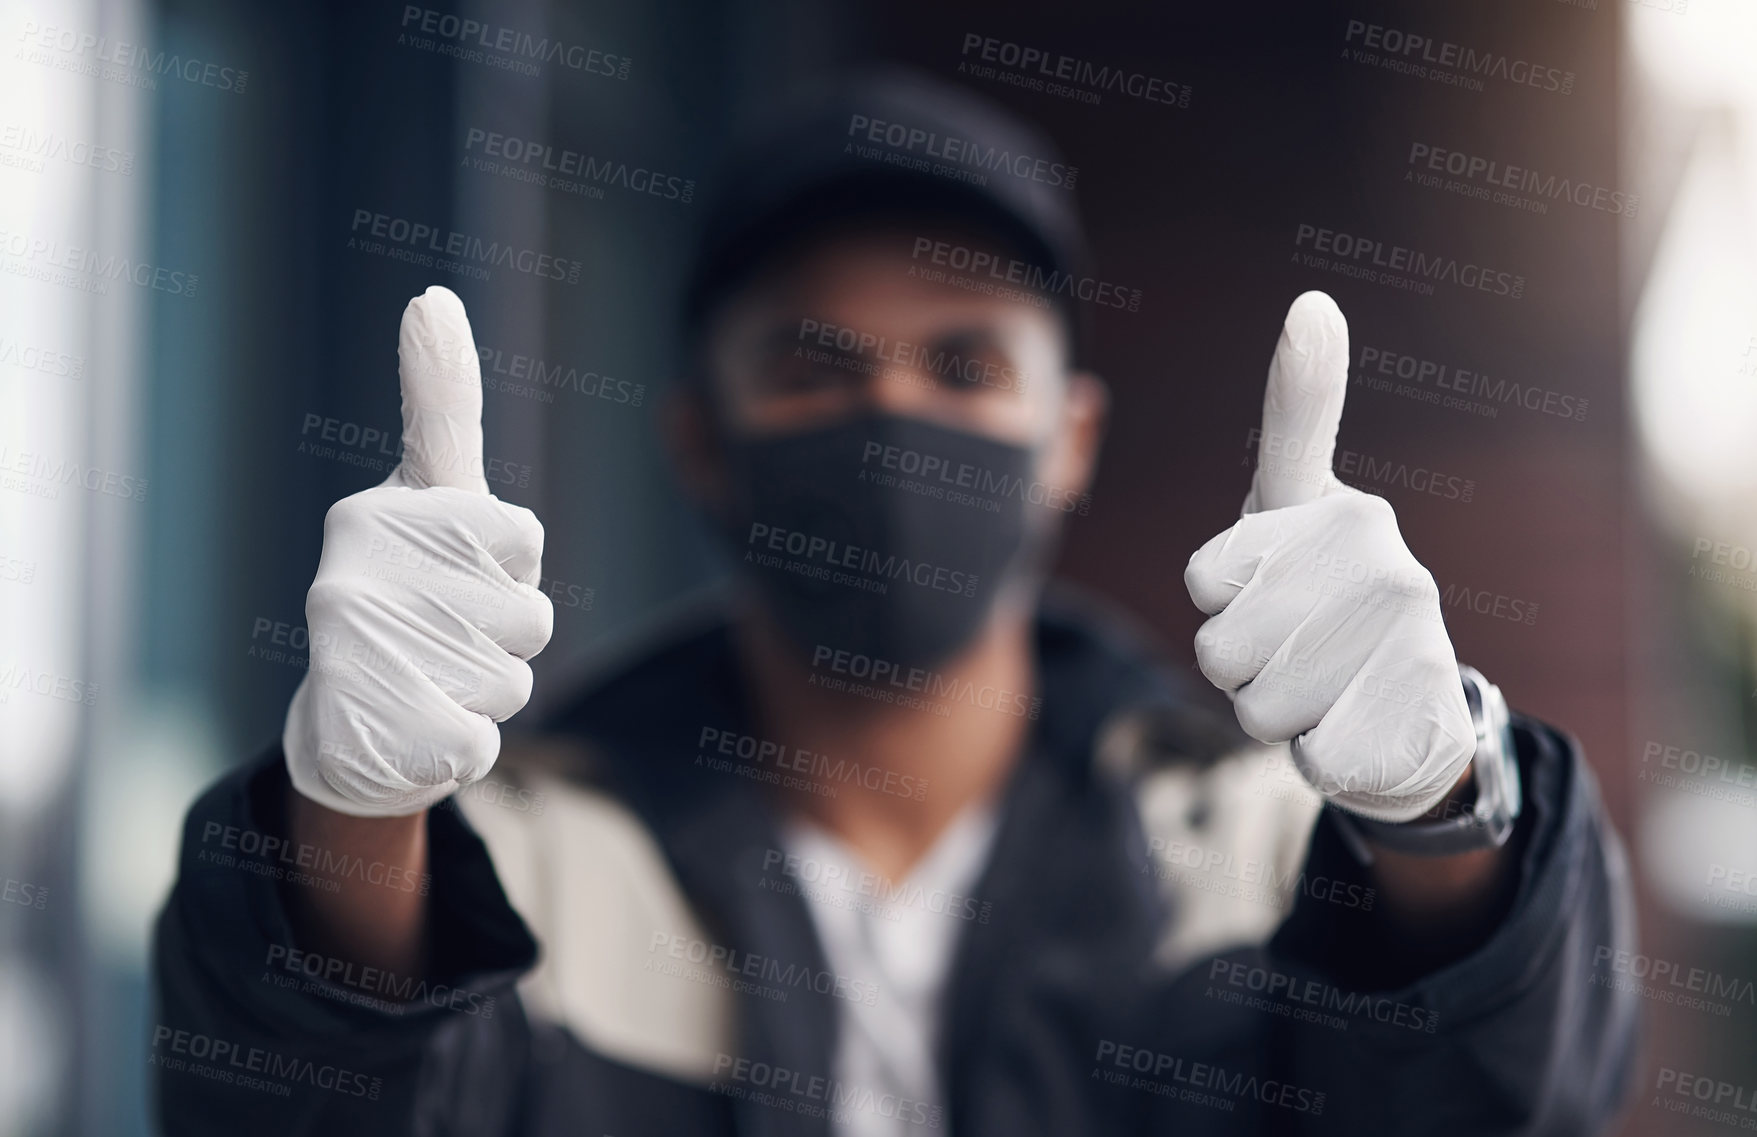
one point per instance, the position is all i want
(894, 841)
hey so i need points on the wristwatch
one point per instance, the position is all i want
(1487, 822)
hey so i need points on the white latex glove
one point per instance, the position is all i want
(424, 609)
(1325, 629)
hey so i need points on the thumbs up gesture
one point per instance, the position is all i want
(425, 606)
(1324, 628)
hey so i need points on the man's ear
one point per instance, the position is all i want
(1073, 461)
(686, 421)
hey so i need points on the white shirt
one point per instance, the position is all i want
(903, 948)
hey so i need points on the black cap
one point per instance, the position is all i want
(885, 143)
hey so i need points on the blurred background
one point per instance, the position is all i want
(198, 316)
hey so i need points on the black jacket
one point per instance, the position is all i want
(1056, 1021)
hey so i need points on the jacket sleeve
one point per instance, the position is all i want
(1521, 1036)
(250, 1034)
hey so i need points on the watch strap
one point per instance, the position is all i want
(1482, 823)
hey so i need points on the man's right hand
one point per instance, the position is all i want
(425, 606)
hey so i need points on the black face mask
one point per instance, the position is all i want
(882, 535)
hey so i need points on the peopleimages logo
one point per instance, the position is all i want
(39, 475)
(568, 170)
(1382, 369)
(37, 147)
(51, 261)
(1305, 991)
(512, 49)
(398, 991)
(120, 61)
(1039, 282)
(1713, 1099)
(813, 1095)
(1289, 456)
(420, 244)
(812, 764)
(15, 676)
(1486, 603)
(885, 680)
(1444, 61)
(947, 479)
(821, 556)
(531, 377)
(1384, 263)
(888, 893)
(1723, 563)
(1503, 183)
(928, 151)
(280, 858)
(784, 976)
(1663, 980)
(1065, 75)
(1698, 773)
(1247, 878)
(24, 894)
(30, 357)
(380, 450)
(231, 1063)
(969, 369)
(1184, 1079)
